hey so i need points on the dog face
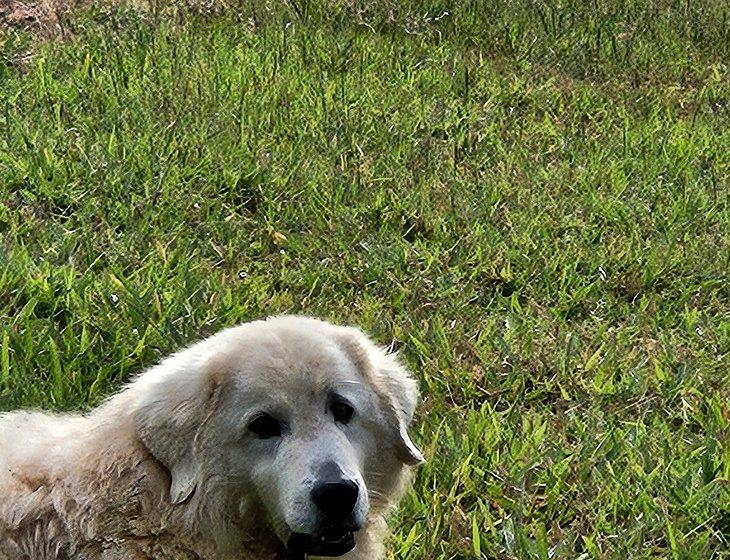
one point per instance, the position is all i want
(295, 418)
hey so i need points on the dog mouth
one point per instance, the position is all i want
(334, 541)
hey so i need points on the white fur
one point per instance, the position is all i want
(166, 469)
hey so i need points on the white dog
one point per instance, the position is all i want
(276, 439)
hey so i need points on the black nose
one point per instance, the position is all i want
(335, 500)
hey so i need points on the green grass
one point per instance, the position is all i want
(529, 199)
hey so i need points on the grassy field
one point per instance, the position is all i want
(528, 199)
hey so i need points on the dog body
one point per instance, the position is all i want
(275, 439)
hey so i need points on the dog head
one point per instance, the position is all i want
(300, 420)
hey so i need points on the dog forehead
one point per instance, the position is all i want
(267, 358)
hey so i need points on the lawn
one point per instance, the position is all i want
(529, 199)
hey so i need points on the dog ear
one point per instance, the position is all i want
(168, 420)
(399, 403)
(396, 389)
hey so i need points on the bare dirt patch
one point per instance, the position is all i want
(34, 15)
(14, 13)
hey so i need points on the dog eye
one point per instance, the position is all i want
(265, 427)
(342, 411)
